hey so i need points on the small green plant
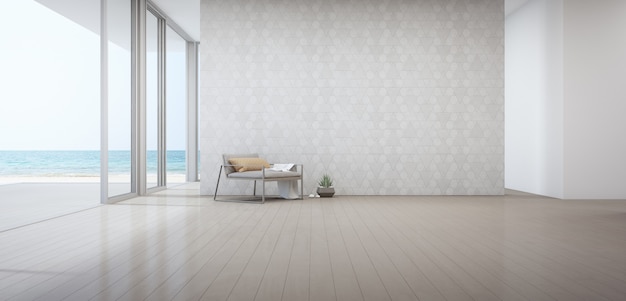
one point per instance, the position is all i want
(325, 181)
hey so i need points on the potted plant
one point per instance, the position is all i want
(325, 188)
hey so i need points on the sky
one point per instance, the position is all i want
(50, 79)
(50, 84)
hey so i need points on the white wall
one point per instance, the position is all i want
(566, 98)
(595, 93)
(389, 97)
(534, 98)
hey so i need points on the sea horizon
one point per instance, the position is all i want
(79, 163)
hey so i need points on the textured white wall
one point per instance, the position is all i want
(389, 97)
(595, 99)
(534, 98)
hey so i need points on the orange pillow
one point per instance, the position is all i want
(248, 164)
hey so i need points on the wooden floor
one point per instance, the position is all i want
(177, 245)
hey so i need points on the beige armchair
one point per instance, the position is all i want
(249, 167)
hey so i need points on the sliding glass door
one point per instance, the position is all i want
(153, 101)
(146, 96)
(49, 109)
(120, 112)
(176, 105)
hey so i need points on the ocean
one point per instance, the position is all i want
(79, 163)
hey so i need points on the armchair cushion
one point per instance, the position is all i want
(248, 164)
(228, 168)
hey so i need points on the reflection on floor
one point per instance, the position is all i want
(27, 203)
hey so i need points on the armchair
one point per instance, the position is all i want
(250, 167)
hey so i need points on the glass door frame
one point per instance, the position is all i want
(161, 111)
(139, 9)
(192, 65)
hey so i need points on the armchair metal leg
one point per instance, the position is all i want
(263, 191)
(219, 175)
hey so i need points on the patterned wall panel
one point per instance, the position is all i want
(389, 97)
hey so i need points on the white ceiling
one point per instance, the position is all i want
(185, 13)
(85, 12)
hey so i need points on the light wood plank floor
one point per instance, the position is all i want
(177, 245)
